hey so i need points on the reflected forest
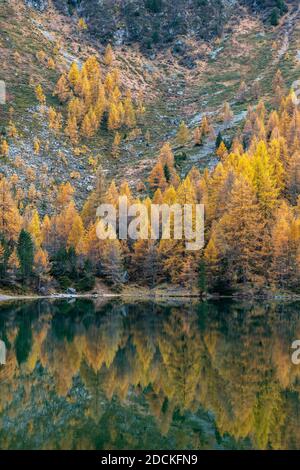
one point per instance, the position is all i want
(214, 375)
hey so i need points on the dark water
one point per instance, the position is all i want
(147, 376)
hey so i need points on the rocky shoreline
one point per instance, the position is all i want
(157, 294)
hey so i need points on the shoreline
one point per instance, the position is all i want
(158, 294)
(6, 297)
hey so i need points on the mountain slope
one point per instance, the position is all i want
(182, 80)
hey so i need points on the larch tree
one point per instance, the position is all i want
(183, 134)
(76, 108)
(93, 119)
(116, 145)
(112, 263)
(51, 64)
(256, 90)
(264, 181)
(205, 126)
(87, 129)
(197, 136)
(41, 264)
(64, 223)
(76, 232)
(126, 191)
(109, 84)
(4, 148)
(12, 130)
(64, 196)
(214, 189)
(13, 263)
(96, 198)
(186, 192)
(83, 88)
(293, 177)
(227, 114)
(62, 89)
(261, 110)
(39, 93)
(91, 247)
(112, 194)
(129, 113)
(145, 262)
(34, 228)
(222, 151)
(10, 219)
(273, 121)
(212, 260)
(71, 130)
(166, 158)
(114, 118)
(91, 68)
(171, 255)
(157, 177)
(74, 75)
(166, 155)
(157, 197)
(36, 145)
(278, 80)
(46, 233)
(241, 93)
(189, 271)
(54, 119)
(241, 235)
(237, 146)
(278, 88)
(109, 55)
(279, 171)
(116, 95)
(82, 26)
(100, 104)
(284, 271)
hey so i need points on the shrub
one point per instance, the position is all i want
(274, 18)
(154, 6)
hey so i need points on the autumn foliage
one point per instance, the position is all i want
(251, 199)
(92, 98)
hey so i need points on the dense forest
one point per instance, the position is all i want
(252, 215)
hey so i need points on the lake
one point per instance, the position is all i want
(213, 375)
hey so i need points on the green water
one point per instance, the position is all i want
(147, 376)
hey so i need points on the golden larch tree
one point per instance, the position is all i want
(109, 55)
(182, 134)
(10, 219)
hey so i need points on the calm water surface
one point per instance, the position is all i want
(147, 376)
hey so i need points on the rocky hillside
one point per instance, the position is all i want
(153, 23)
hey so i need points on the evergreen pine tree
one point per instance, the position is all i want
(25, 251)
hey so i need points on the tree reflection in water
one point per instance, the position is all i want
(149, 376)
